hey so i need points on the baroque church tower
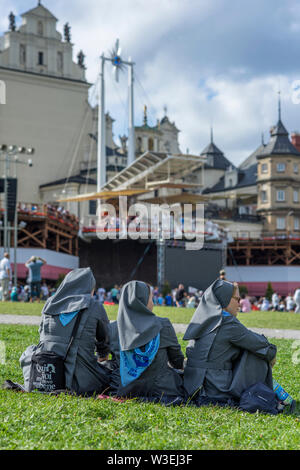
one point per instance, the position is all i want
(37, 46)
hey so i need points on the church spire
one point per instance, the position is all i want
(211, 135)
(279, 106)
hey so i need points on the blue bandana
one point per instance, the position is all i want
(65, 318)
(134, 362)
(225, 314)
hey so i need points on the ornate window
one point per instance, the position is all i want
(93, 207)
(40, 28)
(263, 196)
(22, 54)
(296, 223)
(280, 223)
(280, 167)
(264, 167)
(280, 195)
(60, 63)
(40, 58)
(295, 195)
(150, 144)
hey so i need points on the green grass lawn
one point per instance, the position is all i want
(34, 421)
(277, 320)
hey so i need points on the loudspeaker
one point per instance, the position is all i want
(11, 196)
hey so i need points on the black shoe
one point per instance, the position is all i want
(292, 407)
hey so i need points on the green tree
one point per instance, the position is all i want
(269, 291)
(166, 289)
(243, 290)
(59, 280)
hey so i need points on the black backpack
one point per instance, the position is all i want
(47, 371)
(259, 397)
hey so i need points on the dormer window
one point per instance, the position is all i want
(40, 28)
(280, 167)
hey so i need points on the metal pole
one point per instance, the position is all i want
(15, 246)
(101, 149)
(5, 241)
(160, 245)
(131, 138)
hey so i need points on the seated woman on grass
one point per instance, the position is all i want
(147, 344)
(83, 374)
(224, 357)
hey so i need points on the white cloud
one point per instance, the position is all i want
(208, 61)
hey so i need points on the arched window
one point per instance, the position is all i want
(150, 144)
(22, 54)
(60, 64)
(139, 144)
(40, 28)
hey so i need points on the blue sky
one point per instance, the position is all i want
(217, 62)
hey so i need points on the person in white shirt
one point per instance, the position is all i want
(101, 294)
(275, 301)
(265, 305)
(290, 304)
(297, 300)
(45, 291)
(5, 275)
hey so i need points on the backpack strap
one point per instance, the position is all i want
(74, 331)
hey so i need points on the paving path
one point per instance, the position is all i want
(179, 327)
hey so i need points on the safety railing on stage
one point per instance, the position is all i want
(58, 214)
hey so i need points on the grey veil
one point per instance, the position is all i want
(137, 325)
(208, 314)
(73, 294)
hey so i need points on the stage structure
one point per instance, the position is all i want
(150, 174)
(119, 64)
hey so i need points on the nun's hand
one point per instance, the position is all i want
(273, 362)
(102, 359)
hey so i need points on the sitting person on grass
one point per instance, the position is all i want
(224, 358)
(83, 374)
(148, 344)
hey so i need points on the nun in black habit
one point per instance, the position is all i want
(83, 374)
(148, 347)
(223, 357)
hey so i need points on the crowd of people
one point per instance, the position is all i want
(139, 356)
(190, 298)
(58, 213)
(36, 289)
